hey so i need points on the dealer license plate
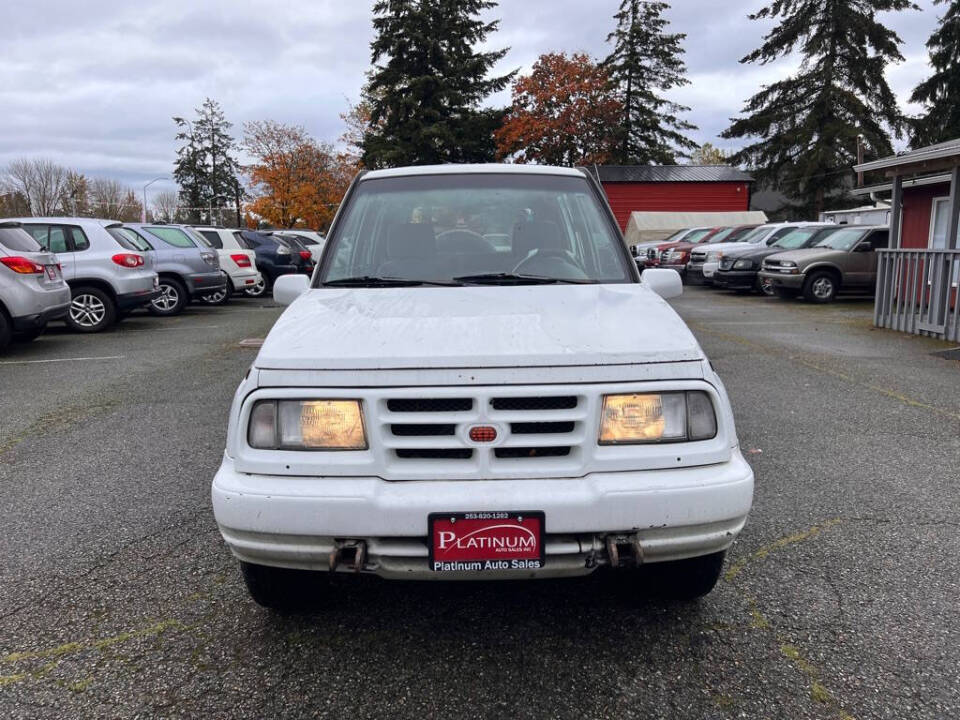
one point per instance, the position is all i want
(484, 541)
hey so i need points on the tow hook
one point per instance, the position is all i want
(624, 551)
(352, 553)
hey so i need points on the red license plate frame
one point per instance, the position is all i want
(485, 541)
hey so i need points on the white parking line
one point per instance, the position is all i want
(56, 360)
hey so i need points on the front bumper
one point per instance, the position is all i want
(695, 273)
(735, 279)
(783, 280)
(297, 522)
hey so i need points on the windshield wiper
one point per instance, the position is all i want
(375, 281)
(514, 279)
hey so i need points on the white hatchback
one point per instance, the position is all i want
(237, 261)
(435, 406)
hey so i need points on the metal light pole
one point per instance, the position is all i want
(143, 210)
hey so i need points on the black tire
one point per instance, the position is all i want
(261, 290)
(26, 336)
(5, 330)
(765, 287)
(785, 293)
(172, 300)
(91, 310)
(281, 588)
(686, 580)
(821, 287)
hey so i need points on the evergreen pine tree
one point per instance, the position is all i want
(645, 62)
(940, 93)
(426, 92)
(808, 124)
(206, 169)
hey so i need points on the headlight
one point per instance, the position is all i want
(307, 425)
(714, 256)
(743, 265)
(657, 417)
(788, 263)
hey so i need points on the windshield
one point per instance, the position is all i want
(756, 235)
(739, 234)
(841, 239)
(17, 239)
(799, 238)
(461, 229)
(696, 236)
(721, 236)
(172, 236)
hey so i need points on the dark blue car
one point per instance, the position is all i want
(276, 256)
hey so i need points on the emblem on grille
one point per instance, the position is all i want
(482, 434)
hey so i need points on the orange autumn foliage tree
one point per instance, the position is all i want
(564, 113)
(295, 180)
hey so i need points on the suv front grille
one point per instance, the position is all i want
(549, 428)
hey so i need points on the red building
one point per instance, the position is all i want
(917, 277)
(673, 188)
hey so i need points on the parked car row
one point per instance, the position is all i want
(90, 273)
(815, 260)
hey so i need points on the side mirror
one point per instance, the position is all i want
(665, 283)
(288, 288)
(864, 247)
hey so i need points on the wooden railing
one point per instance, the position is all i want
(917, 292)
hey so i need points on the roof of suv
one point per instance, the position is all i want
(81, 221)
(474, 169)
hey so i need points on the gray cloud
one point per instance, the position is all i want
(94, 85)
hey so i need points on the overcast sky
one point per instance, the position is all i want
(94, 84)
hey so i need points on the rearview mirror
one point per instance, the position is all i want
(864, 247)
(665, 283)
(288, 288)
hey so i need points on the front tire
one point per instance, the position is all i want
(687, 580)
(91, 310)
(821, 287)
(172, 300)
(765, 287)
(279, 588)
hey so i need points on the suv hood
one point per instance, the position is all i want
(804, 256)
(476, 327)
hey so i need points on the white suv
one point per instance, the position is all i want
(107, 278)
(238, 262)
(436, 406)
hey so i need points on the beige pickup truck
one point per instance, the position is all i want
(844, 261)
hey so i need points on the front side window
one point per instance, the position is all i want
(462, 229)
(16, 239)
(755, 235)
(172, 236)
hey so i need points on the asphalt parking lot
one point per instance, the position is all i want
(840, 600)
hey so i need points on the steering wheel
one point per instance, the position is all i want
(459, 231)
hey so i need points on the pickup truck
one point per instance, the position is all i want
(437, 404)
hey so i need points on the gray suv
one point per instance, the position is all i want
(32, 288)
(107, 278)
(188, 267)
